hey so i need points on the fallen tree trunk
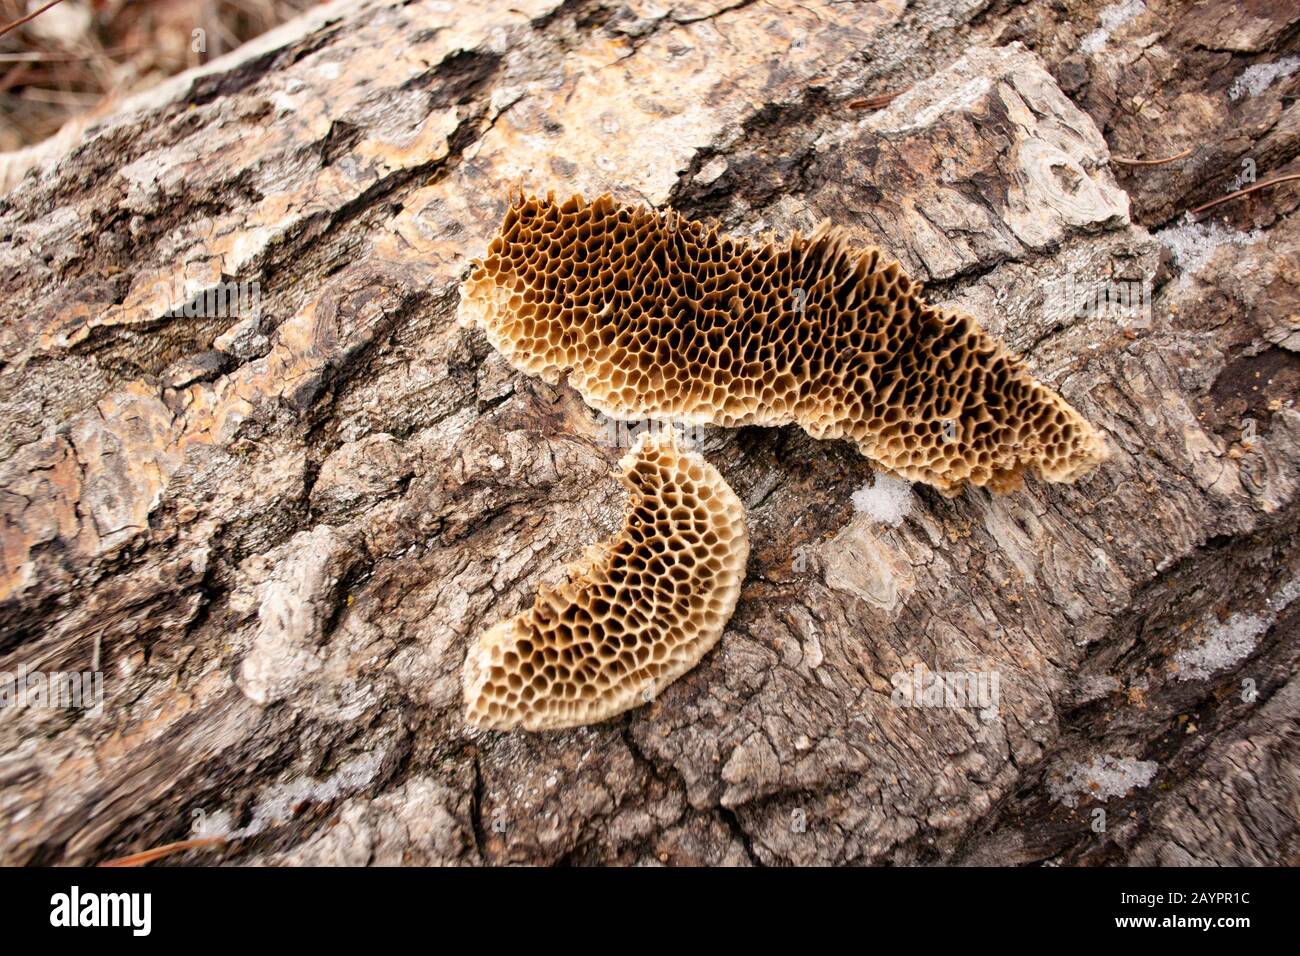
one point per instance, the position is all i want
(276, 526)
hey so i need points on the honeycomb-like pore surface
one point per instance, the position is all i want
(636, 612)
(655, 316)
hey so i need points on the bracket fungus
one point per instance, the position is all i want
(655, 316)
(637, 611)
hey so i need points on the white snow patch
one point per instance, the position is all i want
(1103, 778)
(1193, 243)
(888, 500)
(1112, 18)
(1256, 79)
(1233, 640)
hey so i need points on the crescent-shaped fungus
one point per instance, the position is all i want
(654, 316)
(637, 611)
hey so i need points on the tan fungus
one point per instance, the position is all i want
(636, 612)
(654, 316)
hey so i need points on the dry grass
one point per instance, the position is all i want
(81, 56)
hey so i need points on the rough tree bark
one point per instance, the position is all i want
(279, 533)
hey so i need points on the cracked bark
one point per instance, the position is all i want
(332, 499)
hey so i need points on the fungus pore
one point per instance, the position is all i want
(636, 612)
(655, 316)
